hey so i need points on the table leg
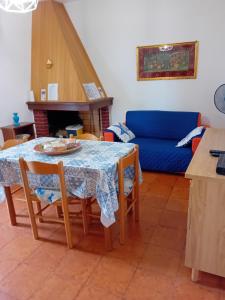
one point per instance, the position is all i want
(11, 208)
(194, 275)
(108, 238)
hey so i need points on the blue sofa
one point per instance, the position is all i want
(157, 133)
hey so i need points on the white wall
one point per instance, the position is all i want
(15, 57)
(111, 30)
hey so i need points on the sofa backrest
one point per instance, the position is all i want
(161, 124)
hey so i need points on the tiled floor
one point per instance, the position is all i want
(149, 266)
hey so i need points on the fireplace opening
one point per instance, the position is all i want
(59, 120)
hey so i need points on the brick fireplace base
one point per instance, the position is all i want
(100, 121)
(105, 117)
(41, 122)
(94, 114)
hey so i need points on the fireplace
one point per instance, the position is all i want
(59, 120)
(49, 117)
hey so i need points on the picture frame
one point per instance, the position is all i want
(53, 94)
(167, 61)
(92, 91)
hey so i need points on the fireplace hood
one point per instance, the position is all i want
(58, 56)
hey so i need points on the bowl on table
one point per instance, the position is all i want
(57, 147)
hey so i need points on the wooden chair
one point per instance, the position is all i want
(8, 144)
(88, 136)
(87, 203)
(12, 142)
(46, 169)
(129, 199)
(89, 215)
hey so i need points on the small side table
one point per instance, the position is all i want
(11, 131)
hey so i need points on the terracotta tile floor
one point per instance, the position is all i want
(149, 266)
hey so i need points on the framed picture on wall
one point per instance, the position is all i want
(91, 91)
(167, 61)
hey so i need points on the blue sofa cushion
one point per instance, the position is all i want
(161, 124)
(122, 131)
(162, 155)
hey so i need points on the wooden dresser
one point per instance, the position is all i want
(11, 131)
(205, 245)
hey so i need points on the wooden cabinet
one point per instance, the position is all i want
(205, 245)
(11, 131)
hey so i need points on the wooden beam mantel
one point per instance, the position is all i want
(70, 106)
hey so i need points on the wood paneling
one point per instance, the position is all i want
(54, 37)
(206, 227)
(203, 165)
(206, 213)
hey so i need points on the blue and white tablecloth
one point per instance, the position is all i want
(90, 171)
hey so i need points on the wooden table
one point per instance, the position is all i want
(89, 172)
(205, 246)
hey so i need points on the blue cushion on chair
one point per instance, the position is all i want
(128, 186)
(162, 155)
(48, 196)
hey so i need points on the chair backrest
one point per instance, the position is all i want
(88, 136)
(12, 142)
(40, 168)
(132, 159)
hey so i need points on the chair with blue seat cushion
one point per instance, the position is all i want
(128, 190)
(40, 168)
(128, 193)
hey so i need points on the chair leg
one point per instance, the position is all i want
(130, 199)
(11, 208)
(67, 225)
(108, 238)
(16, 189)
(59, 211)
(32, 219)
(122, 221)
(136, 206)
(38, 204)
(84, 215)
(89, 213)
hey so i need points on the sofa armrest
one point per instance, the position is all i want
(195, 143)
(108, 136)
(197, 140)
